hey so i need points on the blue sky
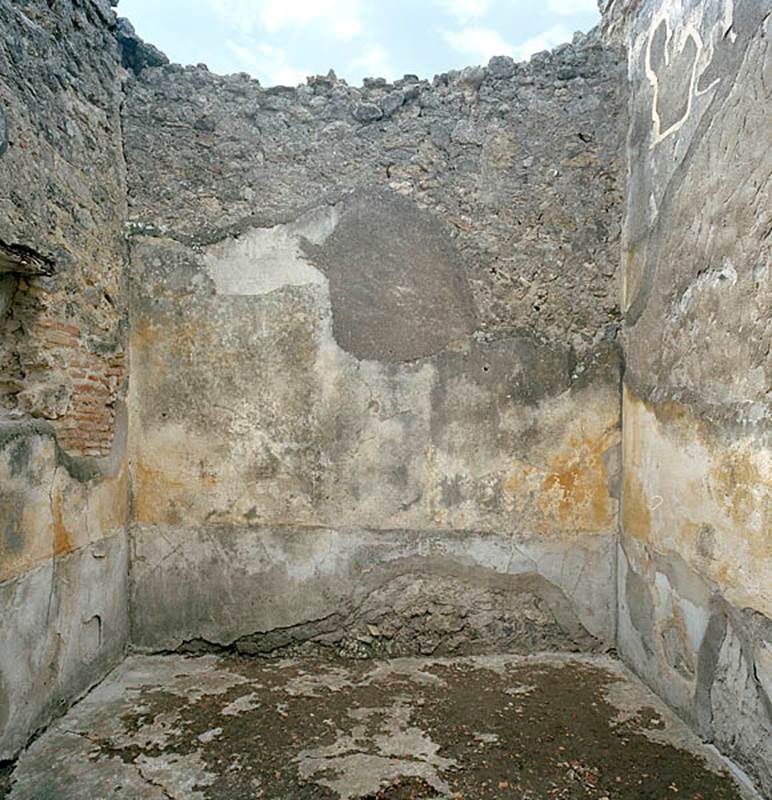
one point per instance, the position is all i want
(283, 41)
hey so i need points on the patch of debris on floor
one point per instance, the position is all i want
(223, 727)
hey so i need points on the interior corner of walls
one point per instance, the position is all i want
(64, 626)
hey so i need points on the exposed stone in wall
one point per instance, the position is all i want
(435, 613)
(616, 16)
(520, 161)
(63, 325)
(136, 54)
(696, 563)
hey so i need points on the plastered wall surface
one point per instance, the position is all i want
(63, 466)
(695, 575)
(374, 346)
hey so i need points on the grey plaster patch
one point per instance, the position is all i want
(179, 776)
(397, 287)
(764, 667)
(5, 703)
(112, 774)
(707, 660)
(721, 694)
(3, 132)
(640, 605)
(8, 284)
(742, 720)
(246, 702)
(401, 750)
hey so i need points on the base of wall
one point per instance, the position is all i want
(369, 593)
(364, 592)
(63, 627)
(710, 661)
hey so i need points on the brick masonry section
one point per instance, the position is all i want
(53, 372)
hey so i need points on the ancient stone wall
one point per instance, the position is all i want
(63, 306)
(375, 401)
(374, 347)
(695, 575)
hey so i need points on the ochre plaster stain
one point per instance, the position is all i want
(62, 536)
(713, 497)
(515, 485)
(154, 495)
(738, 486)
(575, 491)
(636, 513)
(636, 509)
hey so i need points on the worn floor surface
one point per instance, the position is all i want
(499, 727)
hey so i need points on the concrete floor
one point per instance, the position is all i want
(212, 727)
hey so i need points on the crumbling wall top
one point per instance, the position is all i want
(520, 160)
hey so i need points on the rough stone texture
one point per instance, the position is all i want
(136, 54)
(695, 577)
(63, 470)
(62, 247)
(615, 19)
(522, 166)
(480, 728)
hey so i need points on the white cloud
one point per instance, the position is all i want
(546, 40)
(465, 10)
(480, 44)
(267, 63)
(342, 18)
(477, 43)
(569, 7)
(373, 62)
